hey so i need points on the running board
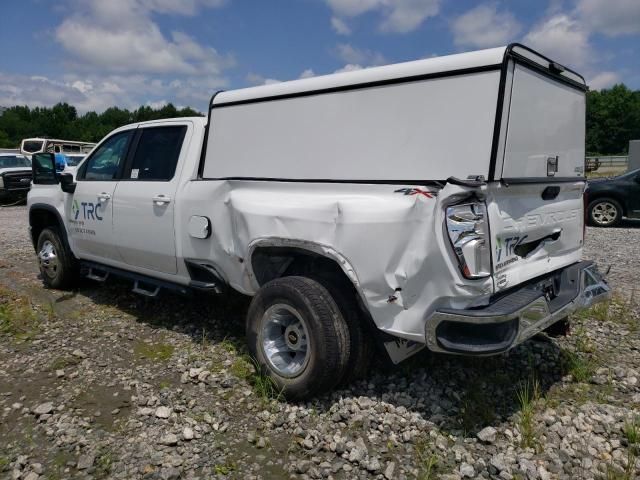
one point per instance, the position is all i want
(93, 276)
(143, 291)
(142, 284)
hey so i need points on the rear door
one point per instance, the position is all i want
(144, 201)
(536, 211)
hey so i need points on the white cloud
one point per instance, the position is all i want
(398, 16)
(563, 39)
(349, 68)
(255, 79)
(340, 26)
(308, 73)
(350, 54)
(483, 26)
(613, 17)
(603, 80)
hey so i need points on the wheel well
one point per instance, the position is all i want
(39, 219)
(269, 263)
(615, 197)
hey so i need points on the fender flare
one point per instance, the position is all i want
(313, 247)
(61, 225)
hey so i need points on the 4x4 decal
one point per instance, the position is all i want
(415, 191)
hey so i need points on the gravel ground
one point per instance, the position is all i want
(100, 383)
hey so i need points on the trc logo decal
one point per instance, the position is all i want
(89, 210)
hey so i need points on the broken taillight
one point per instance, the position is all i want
(467, 229)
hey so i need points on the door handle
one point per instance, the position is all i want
(104, 196)
(161, 199)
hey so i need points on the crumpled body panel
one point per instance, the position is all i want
(387, 238)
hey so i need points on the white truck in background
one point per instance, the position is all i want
(436, 203)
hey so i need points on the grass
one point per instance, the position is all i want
(580, 367)
(615, 310)
(527, 394)
(159, 352)
(60, 363)
(4, 463)
(631, 431)
(18, 319)
(427, 460)
(246, 368)
(103, 464)
(477, 409)
(224, 468)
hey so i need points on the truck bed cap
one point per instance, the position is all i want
(488, 59)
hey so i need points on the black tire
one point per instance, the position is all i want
(604, 212)
(62, 271)
(327, 331)
(360, 339)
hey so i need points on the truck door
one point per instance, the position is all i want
(90, 211)
(144, 201)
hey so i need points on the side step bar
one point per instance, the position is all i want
(141, 283)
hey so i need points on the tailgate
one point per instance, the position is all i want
(534, 228)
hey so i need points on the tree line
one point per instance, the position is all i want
(62, 121)
(613, 118)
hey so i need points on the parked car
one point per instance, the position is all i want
(611, 199)
(385, 205)
(15, 176)
(592, 164)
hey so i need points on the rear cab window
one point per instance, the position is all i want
(156, 154)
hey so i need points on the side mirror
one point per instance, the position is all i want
(43, 167)
(66, 182)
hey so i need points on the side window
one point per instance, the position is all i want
(157, 153)
(106, 160)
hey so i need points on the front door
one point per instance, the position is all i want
(144, 200)
(90, 209)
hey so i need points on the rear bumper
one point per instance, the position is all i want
(517, 316)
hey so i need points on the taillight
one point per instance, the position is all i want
(468, 231)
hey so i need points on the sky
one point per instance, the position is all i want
(100, 53)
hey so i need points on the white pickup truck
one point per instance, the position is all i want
(436, 203)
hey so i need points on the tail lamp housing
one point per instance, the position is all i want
(467, 226)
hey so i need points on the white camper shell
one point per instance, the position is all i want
(436, 203)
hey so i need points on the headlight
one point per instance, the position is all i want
(468, 232)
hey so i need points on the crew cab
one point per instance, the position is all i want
(15, 175)
(432, 204)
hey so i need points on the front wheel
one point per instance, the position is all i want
(57, 265)
(604, 212)
(298, 336)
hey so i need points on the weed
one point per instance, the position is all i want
(60, 363)
(427, 461)
(246, 368)
(631, 431)
(104, 463)
(528, 393)
(579, 366)
(4, 463)
(164, 384)
(17, 317)
(224, 468)
(228, 346)
(153, 351)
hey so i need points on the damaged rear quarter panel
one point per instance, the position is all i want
(391, 244)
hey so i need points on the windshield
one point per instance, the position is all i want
(14, 161)
(32, 146)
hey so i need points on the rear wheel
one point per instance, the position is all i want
(57, 266)
(298, 335)
(605, 212)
